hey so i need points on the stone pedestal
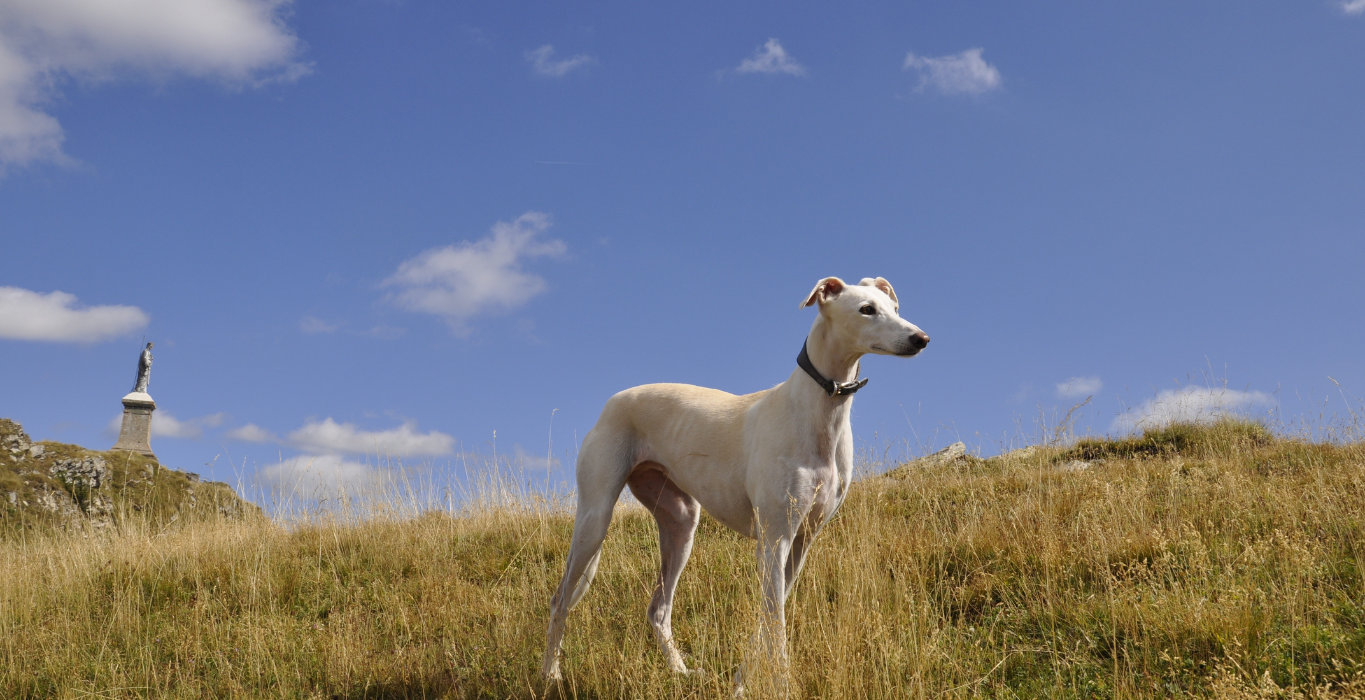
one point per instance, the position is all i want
(136, 435)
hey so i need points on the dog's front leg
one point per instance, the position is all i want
(772, 558)
(769, 644)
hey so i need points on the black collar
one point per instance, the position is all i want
(830, 386)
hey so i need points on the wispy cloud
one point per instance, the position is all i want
(543, 62)
(56, 316)
(1077, 387)
(252, 433)
(319, 476)
(312, 325)
(771, 58)
(1353, 7)
(1191, 404)
(43, 41)
(530, 460)
(477, 35)
(327, 467)
(331, 437)
(963, 73)
(459, 282)
(166, 425)
(385, 332)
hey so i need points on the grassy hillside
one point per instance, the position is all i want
(1191, 561)
(48, 486)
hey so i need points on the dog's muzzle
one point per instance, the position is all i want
(915, 343)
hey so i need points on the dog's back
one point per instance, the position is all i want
(693, 434)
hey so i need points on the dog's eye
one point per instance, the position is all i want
(868, 310)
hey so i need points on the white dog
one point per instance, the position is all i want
(773, 465)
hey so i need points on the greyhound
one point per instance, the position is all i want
(773, 465)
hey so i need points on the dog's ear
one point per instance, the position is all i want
(826, 289)
(882, 284)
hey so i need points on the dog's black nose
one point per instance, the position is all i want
(919, 340)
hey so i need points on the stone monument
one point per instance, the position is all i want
(136, 434)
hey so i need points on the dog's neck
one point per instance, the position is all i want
(827, 416)
(830, 359)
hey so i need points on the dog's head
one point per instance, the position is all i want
(866, 316)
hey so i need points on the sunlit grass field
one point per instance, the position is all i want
(1200, 561)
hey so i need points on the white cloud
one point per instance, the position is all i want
(165, 425)
(965, 72)
(771, 58)
(1077, 387)
(252, 433)
(312, 325)
(1353, 7)
(324, 471)
(460, 282)
(330, 437)
(384, 332)
(1191, 404)
(26, 134)
(543, 63)
(320, 476)
(43, 42)
(528, 459)
(26, 315)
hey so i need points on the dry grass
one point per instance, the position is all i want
(1213, 561)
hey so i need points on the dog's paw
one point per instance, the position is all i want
(692, 667)
(678, 662)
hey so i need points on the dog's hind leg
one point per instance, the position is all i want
(677, 515)
(601, 476)
(590, 528)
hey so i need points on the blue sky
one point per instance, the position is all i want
(407, 225)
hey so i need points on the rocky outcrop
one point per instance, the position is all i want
(69, 487)
(87, 473)
(15, 443)
(955, 452)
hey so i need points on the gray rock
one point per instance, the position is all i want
(951, 453)
(1022, 453)
(89, 471)
(1076, 465)
(59, 502)
(16, 442)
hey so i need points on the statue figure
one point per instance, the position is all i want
(136, 433)
(144, 369)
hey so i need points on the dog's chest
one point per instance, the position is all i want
(827, 486)
(834, 454)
